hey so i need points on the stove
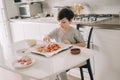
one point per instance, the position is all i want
(89, 18)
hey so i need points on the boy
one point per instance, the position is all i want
(65, 33)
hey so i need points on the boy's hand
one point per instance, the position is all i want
(67, 42)
(47, 39)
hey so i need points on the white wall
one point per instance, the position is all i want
(107, 65)
(98, 6)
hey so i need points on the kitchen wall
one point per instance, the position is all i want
(98, 6)
(106, 43)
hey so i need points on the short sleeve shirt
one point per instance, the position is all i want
(72, 35)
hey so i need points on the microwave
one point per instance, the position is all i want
(30, 10)
(25, 1)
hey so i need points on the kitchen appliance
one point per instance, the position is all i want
(30, 10)
(26, 1)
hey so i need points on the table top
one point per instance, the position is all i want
(44, 67)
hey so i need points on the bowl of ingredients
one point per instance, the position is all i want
(75, 51)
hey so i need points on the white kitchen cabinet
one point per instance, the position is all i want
(37, 30)
(46, 28)
(17, 31)
(30, 30)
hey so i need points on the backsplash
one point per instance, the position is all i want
(97, 6)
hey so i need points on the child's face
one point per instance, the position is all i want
(64, 23)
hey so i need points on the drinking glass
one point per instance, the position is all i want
(30, 43)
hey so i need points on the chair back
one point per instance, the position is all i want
(89, 38)
(89, 34)
(88, 64)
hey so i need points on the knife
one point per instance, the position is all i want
(63, 50)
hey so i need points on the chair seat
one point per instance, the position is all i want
(81, 64)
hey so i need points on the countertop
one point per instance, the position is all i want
(37, 20)
(110, 23)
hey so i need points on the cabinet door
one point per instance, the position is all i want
(17, 31)
(21, 31)
(32, 31)
(46, 28)
(37, 30)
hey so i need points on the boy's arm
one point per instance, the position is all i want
(51, 35)
(82, 44)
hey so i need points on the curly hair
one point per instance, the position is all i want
(65, 13)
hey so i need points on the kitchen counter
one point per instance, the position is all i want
(37, 20)
(110, 23)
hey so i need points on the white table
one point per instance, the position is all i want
(45, 67)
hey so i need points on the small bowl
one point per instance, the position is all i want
(75, 51)
(31, 42)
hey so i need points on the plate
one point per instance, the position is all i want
(62, 48)
(22, 52)
(23, 62)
